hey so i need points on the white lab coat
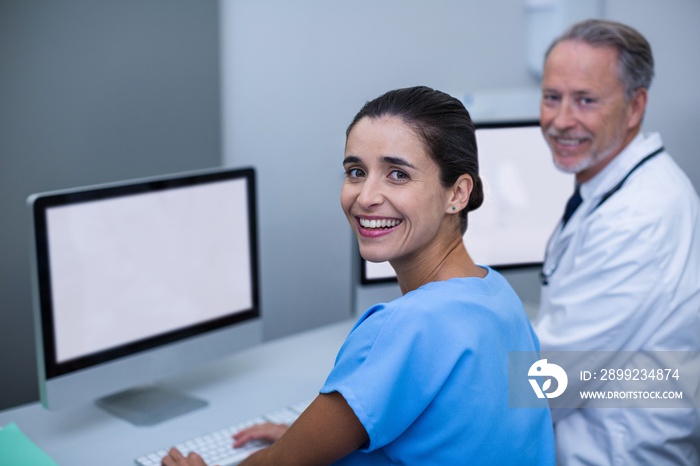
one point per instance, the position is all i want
(627, 278)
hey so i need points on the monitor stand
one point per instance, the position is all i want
(149, 405)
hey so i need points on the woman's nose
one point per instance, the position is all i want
(370, 193)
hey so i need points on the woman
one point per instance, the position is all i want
(423, 379)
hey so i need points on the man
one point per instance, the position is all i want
(622, 273)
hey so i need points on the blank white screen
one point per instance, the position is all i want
(133, 267)
(524, 197)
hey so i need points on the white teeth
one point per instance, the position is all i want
(568, 142)
(383, 223)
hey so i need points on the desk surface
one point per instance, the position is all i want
(249, 383)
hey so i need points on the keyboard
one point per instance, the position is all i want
(217, 447)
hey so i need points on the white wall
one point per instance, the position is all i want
(295, 73)
(673, 30)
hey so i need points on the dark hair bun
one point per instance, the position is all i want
(477, 196)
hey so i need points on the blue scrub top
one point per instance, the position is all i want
(427, 376)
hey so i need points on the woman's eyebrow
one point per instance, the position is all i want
(351, 159)
(387, 159)
(392, 160)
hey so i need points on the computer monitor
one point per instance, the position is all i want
(524, 197)
(134, 281)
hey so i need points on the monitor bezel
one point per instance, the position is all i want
(519, 123)
(41, 203)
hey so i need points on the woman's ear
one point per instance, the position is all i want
(460, 193)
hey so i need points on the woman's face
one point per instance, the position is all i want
(392, 195)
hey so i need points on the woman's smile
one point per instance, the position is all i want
(371, 227)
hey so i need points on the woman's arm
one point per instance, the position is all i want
(325, 432)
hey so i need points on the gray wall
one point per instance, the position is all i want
(93, 91)
(296, 72)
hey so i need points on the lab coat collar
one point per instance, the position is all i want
(641, 146)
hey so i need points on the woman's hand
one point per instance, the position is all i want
(175, 458)
(268, 431)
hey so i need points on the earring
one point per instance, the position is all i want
(454, 208)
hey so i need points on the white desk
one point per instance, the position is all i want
(247, 384)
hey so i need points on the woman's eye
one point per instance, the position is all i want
(398, 175)
(354, 173)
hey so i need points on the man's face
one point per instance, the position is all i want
(584, 115)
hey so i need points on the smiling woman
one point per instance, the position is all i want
(423, 379)
(411, 162)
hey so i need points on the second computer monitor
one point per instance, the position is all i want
(524, 197)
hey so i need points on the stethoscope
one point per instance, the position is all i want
(548, 270)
